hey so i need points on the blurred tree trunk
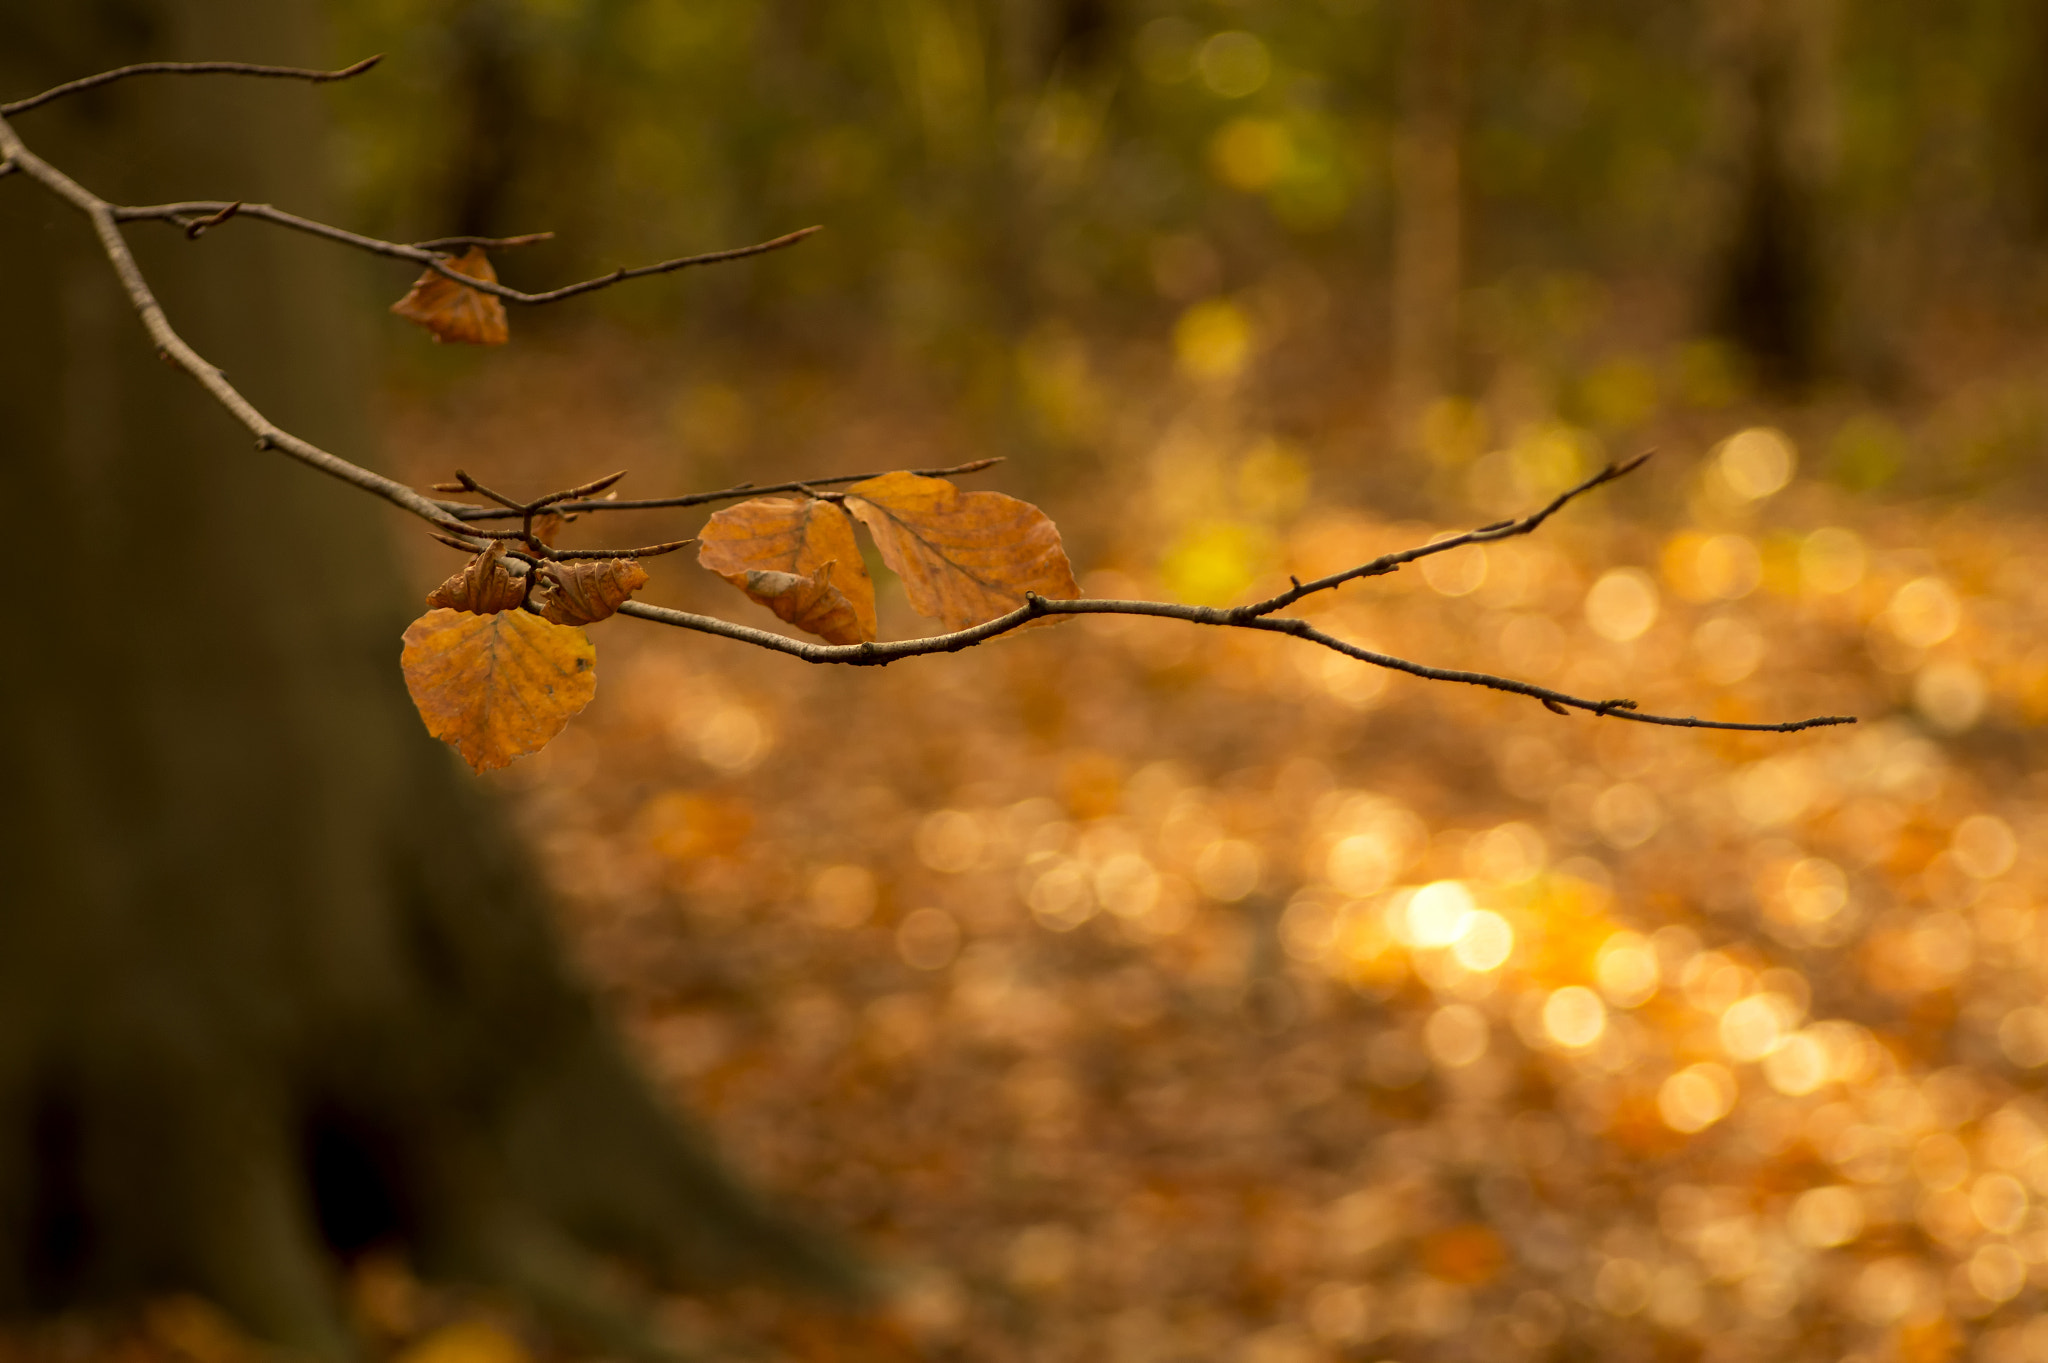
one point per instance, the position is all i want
(1428, 212)
(498, 127)
(1767, 287)
(2027, 105)
(276, 986)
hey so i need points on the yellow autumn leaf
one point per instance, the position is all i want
(496, 687)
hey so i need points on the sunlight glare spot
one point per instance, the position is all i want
(1696, 1097)
(1622, 604)
(1626, 969)
(1485, 943)
(1574, 1017)
(1437, 913)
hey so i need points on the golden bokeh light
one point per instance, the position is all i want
(1757, 462)
(1574, 1017)
(1622, 604)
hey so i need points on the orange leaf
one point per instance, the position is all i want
(802, 537)
(484, 587)
(496, 687)
(964, 557)
(812, 604)
(455, 312)
(584, 591)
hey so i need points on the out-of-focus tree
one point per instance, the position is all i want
(1768, 293)
(276, 986)
(1429, 216)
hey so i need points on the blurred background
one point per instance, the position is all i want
(1149, 994)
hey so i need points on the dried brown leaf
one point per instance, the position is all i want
(964, 557)
(804, 537)
(812, 604)
(587, 590)
(455, 312)
(496, 687)
(484, 587)
(547, 525)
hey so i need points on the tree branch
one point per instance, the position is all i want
(1038, 607)
(170, 345)
(22, 106)
(452, 519)
(199, 213)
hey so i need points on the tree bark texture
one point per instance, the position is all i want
(275, 984)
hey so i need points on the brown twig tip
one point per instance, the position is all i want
(589, 489)
(84, 83)
(487, 243)
(195, 230)
(649, 551)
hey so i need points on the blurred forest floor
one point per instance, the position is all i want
(1150, 993)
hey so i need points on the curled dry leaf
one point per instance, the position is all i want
(805, 538)
(452, 311)
(496, 687)
(586, 591)
(484, 587)
(812, 604)
(964, 557)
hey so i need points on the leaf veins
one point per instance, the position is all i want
(496, 687)
(964, 557)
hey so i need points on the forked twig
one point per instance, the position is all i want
(434, 255)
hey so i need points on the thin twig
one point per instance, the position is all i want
(579, 492)
(622, 274)
(1485, 534)
(514, 507)
(195, 231)
(734, 493)
(1038, 607)
(22, 106)
(183, 214)
(488, 243)
(649, 552)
